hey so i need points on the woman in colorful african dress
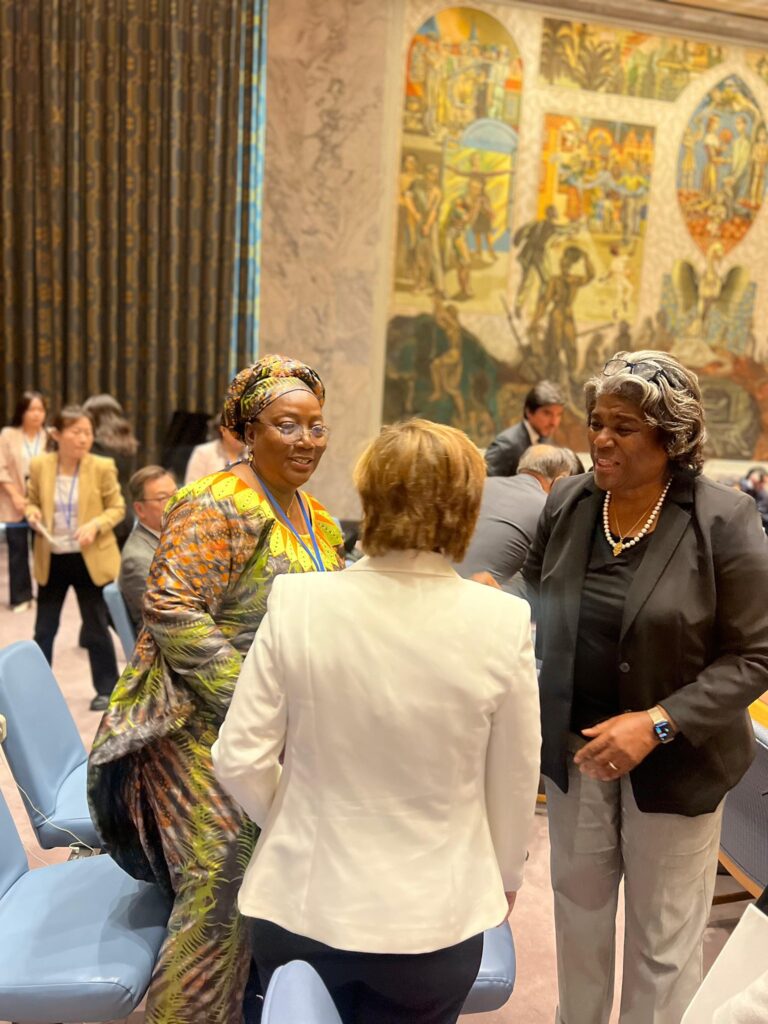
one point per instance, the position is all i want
(154, 797)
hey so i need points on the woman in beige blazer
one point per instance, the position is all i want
(19, 443)
(74, 502)
(406, 703)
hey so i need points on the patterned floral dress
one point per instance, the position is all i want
(152, 790)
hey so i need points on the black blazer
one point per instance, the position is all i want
(694, 634)
(504, 451)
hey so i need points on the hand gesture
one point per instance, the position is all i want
(85, 535)
(616, 746)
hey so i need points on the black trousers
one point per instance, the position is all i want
(70, 571)
(377, 988)
(17, 535)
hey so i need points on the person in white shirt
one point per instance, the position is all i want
(405, 701)
(150, 488)
(221, 451)
(19, 443)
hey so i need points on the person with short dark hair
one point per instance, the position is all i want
(114, 438)
(542, 413)
(19, 443)
(73, 504)
(384, 735)
(150, 488)
(509, 515)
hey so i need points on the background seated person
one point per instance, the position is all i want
(509, 514)
(150, 488)
(542, 412)
(398, 824)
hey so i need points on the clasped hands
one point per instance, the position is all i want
(616, 746)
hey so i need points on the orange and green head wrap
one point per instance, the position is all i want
(257, 386)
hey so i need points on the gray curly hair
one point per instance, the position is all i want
(668, 396)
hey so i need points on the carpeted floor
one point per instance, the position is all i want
(535, 995)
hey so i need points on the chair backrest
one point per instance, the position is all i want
(297, 993)
(745, 817)
(13, 859)
(121, 620)
(43, 746)
(496, 976)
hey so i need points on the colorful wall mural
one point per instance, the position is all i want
(536, 237)
(625, 62)
(459, 145)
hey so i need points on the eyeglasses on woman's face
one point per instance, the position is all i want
(292, 433)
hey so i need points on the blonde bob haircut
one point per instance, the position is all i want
(420, 484)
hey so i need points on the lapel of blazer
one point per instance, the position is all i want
(662, 543)
(17, 455)
(85, 489)
(47, 488)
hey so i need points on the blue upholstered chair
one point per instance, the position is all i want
(296, 992)
(496, 977)
(121, 620)
(743, 847)
(43, 749)
(78, 941)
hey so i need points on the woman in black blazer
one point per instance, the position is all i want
(651, 584)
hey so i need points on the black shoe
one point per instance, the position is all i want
(100, 702)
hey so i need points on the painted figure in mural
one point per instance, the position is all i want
(699, 295)
(423, 200)
(634, 186)
(481, 216)
(741, 150)
(757, 167)
(446, 369)
(497, 83)
(714, 158)
(620, 277)
(558, 298)
(456, 249)
(407, 218)
(532, 241)
(433, 82)
(688, 159)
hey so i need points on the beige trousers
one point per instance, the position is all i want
(669, 864)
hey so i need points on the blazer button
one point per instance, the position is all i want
(624, 666)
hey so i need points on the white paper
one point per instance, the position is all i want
(44, 533)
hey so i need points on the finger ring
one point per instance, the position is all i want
(612, 765)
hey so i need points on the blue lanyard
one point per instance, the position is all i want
(30, 450)
(316, 559)
(68, 511)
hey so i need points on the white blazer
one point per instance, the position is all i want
(407, 702)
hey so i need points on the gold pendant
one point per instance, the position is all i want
(618, 547)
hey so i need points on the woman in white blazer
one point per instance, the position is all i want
(405, 701)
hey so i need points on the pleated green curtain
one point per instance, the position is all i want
(119, 205)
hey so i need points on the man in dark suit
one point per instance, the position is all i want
(542, 412)
(509, 515)
(150, 488)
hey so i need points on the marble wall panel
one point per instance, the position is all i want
(326, 228)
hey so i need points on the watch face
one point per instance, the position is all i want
(664, 731)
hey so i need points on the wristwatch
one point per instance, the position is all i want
(661, 725)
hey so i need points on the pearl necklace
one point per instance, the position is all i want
(622, 544)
